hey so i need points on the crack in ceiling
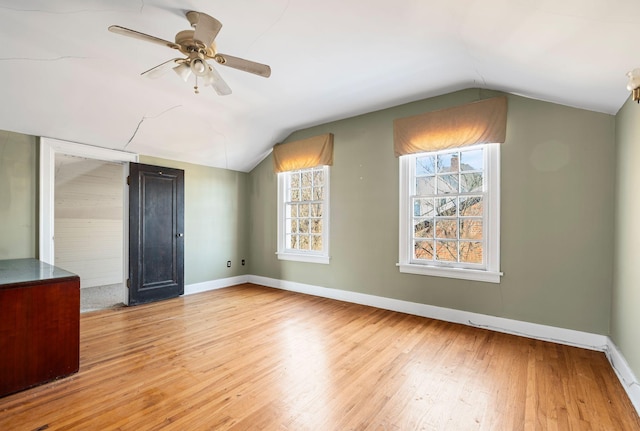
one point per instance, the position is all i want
(145, 117)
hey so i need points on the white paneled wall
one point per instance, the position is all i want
(89, 219)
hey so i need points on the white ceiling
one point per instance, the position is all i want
(63, 75)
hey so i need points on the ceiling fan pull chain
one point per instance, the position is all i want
(195, 88)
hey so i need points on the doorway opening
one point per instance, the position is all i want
(88, 226)
(83, 218)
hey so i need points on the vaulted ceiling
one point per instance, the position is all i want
(64, 75)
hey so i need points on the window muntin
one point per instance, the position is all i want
(449, 213)
(304, 214)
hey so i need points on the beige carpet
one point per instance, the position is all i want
(101, 297)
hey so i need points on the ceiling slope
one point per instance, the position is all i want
(63, 75)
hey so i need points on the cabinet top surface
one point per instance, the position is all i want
(15, 271)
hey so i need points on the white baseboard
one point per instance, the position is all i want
(526, 329)
(190, 289)
(536, 331)
(625, 374)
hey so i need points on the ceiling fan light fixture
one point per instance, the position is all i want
(199, 67)
(183, 70)
(634, 84)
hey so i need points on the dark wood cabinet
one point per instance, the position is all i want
(39, 324)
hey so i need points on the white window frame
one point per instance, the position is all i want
(491, 272)
(285, 253)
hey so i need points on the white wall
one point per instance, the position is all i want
(89, 219)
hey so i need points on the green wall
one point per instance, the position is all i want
(625, 320)
(557, 216)
(216, 215)
(215, 220)
(18, 196)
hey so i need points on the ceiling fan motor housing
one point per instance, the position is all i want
(187, 44)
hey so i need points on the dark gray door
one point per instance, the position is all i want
(156, 233)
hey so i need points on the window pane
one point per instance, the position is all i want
(294, 179)
(447, 251)
(447, 229)
(471, 182)
(471, 206)
(304, 242)
(291, 226)
(306, 178)
(423, 207)
(425, 185)
(292, 241)
(318, 193)
(316, 226)
(306, 194)
(471, 229)
(425, 166)
(470, 252)
(447, 184)
(318, 177)
(294, 195)
(304, 210)
(472, 160)
(423, 250)
(316, 210)
(304, 225)
(448, 162)
(316, 242)
(423, 228)
(446, 207)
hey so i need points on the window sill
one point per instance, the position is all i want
(303, 258)
(463, 274)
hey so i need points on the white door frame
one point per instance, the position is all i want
(49, 147)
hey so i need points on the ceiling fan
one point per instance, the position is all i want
(198, 45)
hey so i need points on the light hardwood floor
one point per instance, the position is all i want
(254, 358)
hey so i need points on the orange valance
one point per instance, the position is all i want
(306, 153)
(481, 122)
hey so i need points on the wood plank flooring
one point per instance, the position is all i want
(254, 358)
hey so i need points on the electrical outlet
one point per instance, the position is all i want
(242, 262)
(228, 264)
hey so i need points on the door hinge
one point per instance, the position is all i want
(128, 282)
(128, 180)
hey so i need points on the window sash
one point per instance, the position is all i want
(286, 215)
(489, 269)
(435, 240)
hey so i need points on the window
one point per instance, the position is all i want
(303, 215)
(449, 213)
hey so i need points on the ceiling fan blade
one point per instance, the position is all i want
(137, 35)
(244, 65)
(214, 79)
(161, 69)
(206, 27)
